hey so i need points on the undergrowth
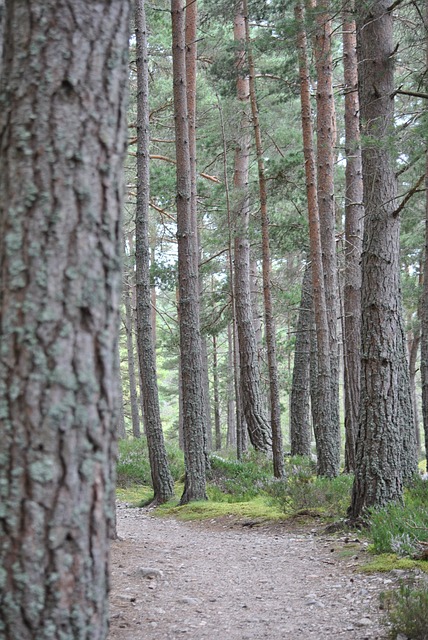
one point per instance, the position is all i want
(133, 467)
(407, 611)
(401, 527)
(237, 481)
(302, 490)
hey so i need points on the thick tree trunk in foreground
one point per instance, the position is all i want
(190, 339)
(275, 410)
(324, 424)
(354, 223)
(163, 484)
(380, 454)
(300, 426)
(62, 143)
(252, 401)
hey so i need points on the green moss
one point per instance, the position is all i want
(134, 495)
(390, 561)
(255, 509)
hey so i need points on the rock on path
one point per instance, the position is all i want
(173, 580)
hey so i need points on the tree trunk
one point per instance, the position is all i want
(153, 301)
(354, 223)
(216, 398)
(206, 389)
(252, 401)
(275, 409)
(191, 18)
(379, 454)
(121, 430)
(424, 301)
(326, 140)
(300, 426)
(413, 342)
(257, 316)
(190, 339)
(62, 146)
(129, 326)
(163, 484)
(231, 409)
(238, 433)
(325, 427)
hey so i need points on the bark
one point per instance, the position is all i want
(424, 324)
(163, 484)
(62, 146)
(191, 17)
(354, 222)
(413, 342)
(1, 31)
(257, 316)
(190, 339)
(121, 430)
(380, 454)
(325, 427)
(270, 331)
(326, 140)
(216, 398)
(300, 426)
(206, 390)
(238, 432)
(252, 401)
(231, 409)
(129, 326)
(153, 301)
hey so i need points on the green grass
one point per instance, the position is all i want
(135, 495)
(397, 528)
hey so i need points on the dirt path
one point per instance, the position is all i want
(177, 580)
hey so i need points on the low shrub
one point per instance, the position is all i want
(302, 490)
(237, 481)
(407, 611)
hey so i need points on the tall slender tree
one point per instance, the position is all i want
(270, 331)
(326, 140)
(300, 426)
(62, 143)
(322, 406)
(252, 401)
(217, 424)
(163, 484)
(354, 222)
(191, 75)
(190, 339)
(382, 444)
(424, 302)
(129, 329)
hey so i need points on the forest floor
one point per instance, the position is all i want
(237, 580)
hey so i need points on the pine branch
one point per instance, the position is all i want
(408, 195)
